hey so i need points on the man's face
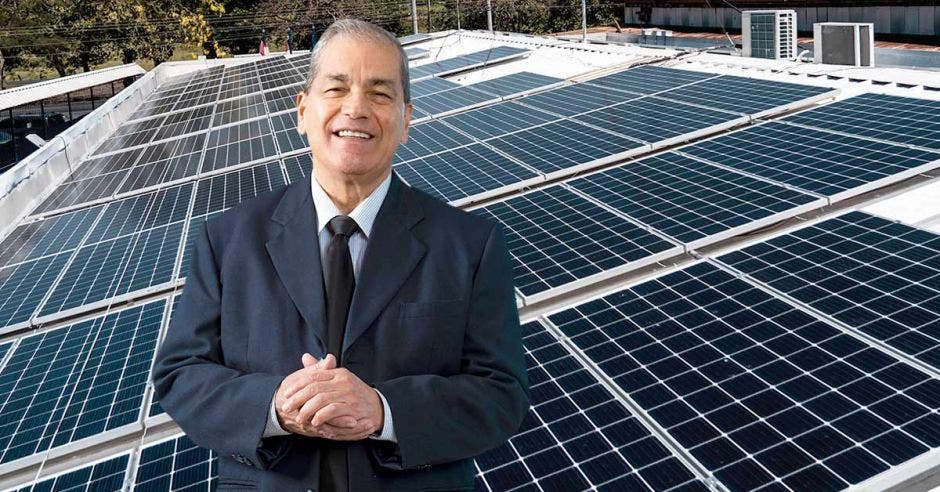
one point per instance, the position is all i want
(354, 113)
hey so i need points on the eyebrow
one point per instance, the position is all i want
(372, 82)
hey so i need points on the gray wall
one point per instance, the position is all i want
(923, 21)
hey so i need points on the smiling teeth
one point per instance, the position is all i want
(350, 133)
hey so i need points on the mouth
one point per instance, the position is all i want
(346, 133)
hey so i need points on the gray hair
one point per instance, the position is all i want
(362, 30)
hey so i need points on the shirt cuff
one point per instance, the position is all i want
(388, 430)
(273, 427)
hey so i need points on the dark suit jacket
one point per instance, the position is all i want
(433, 325)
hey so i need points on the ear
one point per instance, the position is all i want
(301, 108)
(404, 133)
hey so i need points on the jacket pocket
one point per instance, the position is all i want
(226, 483)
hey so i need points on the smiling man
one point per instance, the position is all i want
(347, 332)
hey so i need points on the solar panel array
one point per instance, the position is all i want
(809, 361)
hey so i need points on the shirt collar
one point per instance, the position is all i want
(364, 213)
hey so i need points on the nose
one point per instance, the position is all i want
(356, 104)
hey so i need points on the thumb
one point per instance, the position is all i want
(328, 362)
(308, 360)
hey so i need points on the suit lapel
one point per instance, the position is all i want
(295, 251)
(391, 254)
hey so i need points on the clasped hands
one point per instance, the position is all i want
(322, 400)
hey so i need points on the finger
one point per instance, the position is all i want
(313, 405)
(308, 360)
(300, 397)
(329, 362)
(360, 431)
(307, 380)
(331, 411)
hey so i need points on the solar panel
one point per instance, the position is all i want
(106, 475)
(282, 99)
(558, 240)
(655, 120)
(285, 132)
(814, 160)
(577, 436)
(873, 275)
(498, 119)
(48, 236)
(105, 164)
(744, 95)
(416, 53)
(287, 76)
(429, 138)
(565, 146)
(466, 62)
(649, 79)
(239, 144)
(185, 122)
(515, 83)
(243, 108)
(903, 120)
(760, 393)
(101, 271)
(576, 99)
(298, 166)
(132, 135)
(154, 407)
(176, 464)
(692, 202)
(413, 38)
(23, 286)
(466, 174)
(74, 382)
(450, 100)
(430, 86)
(77, 192)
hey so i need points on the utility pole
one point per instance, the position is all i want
(458, 24)
(584, 21)
(429, 17)
(489, 15)
(414, 16)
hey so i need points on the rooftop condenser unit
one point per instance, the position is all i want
(769, 34)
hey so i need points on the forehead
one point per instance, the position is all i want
(349, 54)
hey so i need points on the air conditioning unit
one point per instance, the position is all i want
(769, 34)
(844, 43)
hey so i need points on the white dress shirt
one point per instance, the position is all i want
(364, 215)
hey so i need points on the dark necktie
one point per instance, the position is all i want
(340, 282)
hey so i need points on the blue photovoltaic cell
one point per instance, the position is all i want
(239, 144)
(463, 173)
(106, 476)
(239, 109)
(220, 192)
(22, 286)
(758, 391)
(429, 138)
(177, 124)
(141, 212)
(3, 351)
(155, 408)
(431, 85)
(577, 436)
(465, 61)
(641, 119)
(298, 166)
(48, 236)
(282, 99)
(576, 99)
(285, 131)
(814, 160)
(514, 83)
(556, 237)
(649, 79)
(498, 119)
(116, 266)
(904, 120)
(77, 381)
(562, 145)
(743, 95)
(877, 276)
(86, 190)
(687, 199)
(176, 464)
(449, 100)
(105, 164)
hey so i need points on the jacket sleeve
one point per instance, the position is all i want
(218, 407)
(440, 419)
